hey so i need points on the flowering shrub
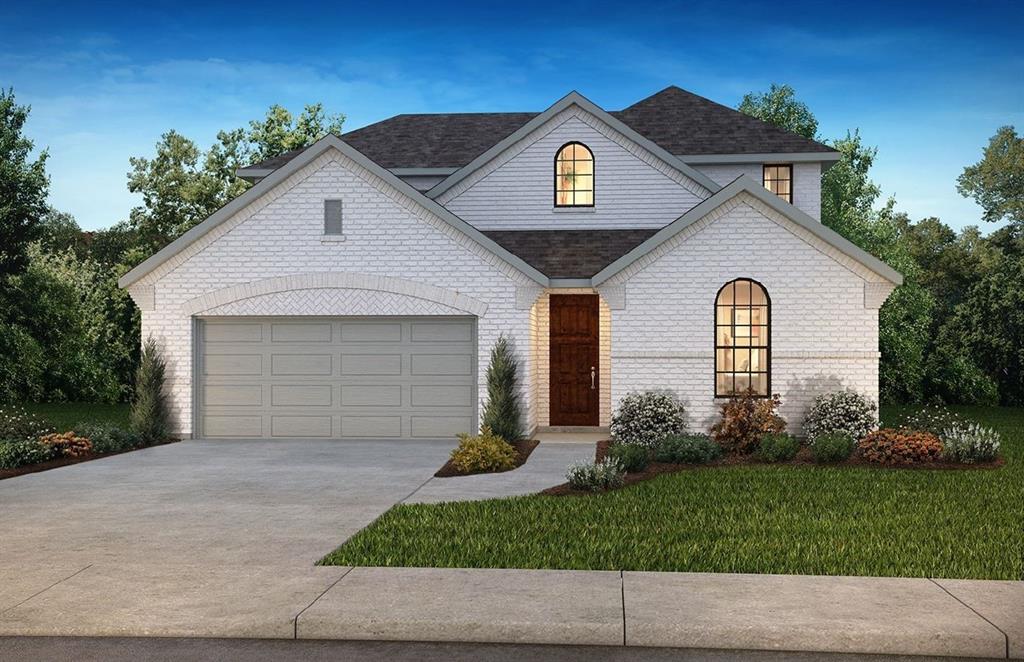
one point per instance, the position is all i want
(483, 452)
(932, 419)
(20, 452)
(969, 443)
(841, 411)
(66, 444)
(777, 448)
(631, 457)
(832, 447)
(647, 418)
(16, 424)
(596, 476)
(687, 449)
(900, 447)
(745, 419)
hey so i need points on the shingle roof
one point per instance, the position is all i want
(569, 253)
(680, 122)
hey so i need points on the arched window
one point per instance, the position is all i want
(574, 176)
(742, 339)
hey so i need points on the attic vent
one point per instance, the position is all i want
(332, 216)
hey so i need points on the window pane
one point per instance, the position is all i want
(743, 293)
(759, 315)
(759, 336)
(723, 360)
(583, 182)
(584, 197)
(742, 316)
(725, 315)
(742, 384)
(725, 297)
(759, 383)
(585, 167)
(723, 384)
(742, 336)
(757, 296)
(742, 359)
(724, 336)
(757, 357)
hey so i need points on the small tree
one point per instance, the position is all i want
(149, 415)
(501, 412)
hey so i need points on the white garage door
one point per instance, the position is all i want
(388, 377)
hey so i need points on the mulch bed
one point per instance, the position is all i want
(65, 461)
(523, 450)
(803, 458)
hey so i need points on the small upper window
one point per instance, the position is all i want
(779, 180)
(574, 176)
(332, 217)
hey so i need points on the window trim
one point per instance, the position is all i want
(341, 220)
(788, 166)
(767, 346)
(593, 176)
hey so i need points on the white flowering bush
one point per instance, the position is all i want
(16, 424)
(840, 411)
(932, 419)
(648, 417)
(969, 443)
(596, 476)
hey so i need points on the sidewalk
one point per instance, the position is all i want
(685, 610)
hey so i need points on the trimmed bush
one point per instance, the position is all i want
(67, 444)
(900, 447)
(502, 410)
(149, 416)
(631, 457)
(107, 437)
(483, 452)
(16, 424)
(777, 448)
(596, 476)
(832, 447)
(841, 411)
(687, 449)
(969, 443)
(648, 417)
(21, 452)
(745, 419)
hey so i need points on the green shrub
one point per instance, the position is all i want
(17, 424)
(483, 452)
(21, 452)
(596, 476)
(502, 411)
(777, 448)
(687, 449)
(841, 411)
(832, 447)
(149, 416)
(646, 418)
(969, 443)
(632, 458)
(107, 437)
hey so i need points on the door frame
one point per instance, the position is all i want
(595, 415)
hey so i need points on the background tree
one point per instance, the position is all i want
(997, 181)
(23, 187)
(779, 106)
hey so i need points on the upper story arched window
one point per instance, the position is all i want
(574, 176)
(742, 339)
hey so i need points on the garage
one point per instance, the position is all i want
(336, 378)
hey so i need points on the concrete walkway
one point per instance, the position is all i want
(679, 610)
(545, 468)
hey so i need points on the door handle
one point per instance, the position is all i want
(593, 375)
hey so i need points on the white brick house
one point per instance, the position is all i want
(357, 288)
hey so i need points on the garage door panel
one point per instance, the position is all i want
(336, 377)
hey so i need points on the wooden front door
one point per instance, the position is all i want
(574, 359)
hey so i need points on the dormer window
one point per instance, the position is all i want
(574, 176)
(779, 180)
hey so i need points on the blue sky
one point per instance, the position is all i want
(928, 83)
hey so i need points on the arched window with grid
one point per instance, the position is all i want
(742, 339)
(574, 176)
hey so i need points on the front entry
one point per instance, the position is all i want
(574, 359)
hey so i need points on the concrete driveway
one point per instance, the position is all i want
(210, 502)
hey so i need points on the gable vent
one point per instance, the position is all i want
(332, 216)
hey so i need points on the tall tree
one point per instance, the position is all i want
(779, 106)
(279, 131)
(23, 187)
(996, 182)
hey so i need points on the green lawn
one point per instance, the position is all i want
(756, 519)
(66, 414)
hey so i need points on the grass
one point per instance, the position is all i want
(64, 415)
(751, 519)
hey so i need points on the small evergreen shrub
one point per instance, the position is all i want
(67, 444)
(969, 443)
(18, 424)
(745, 420)
(149, 415)
(632, 458)
(777, 448)
(832, 447)
(107, 437)
(900, 447)
(648, 417)
(483, 452)
(596, 476)
(841, 411)
(687, 449)
(21, 452)
(502, 410)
